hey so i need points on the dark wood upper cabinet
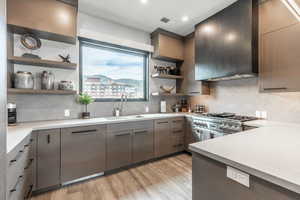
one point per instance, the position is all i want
(279, 48)
(49, 19)
(167, 46)
(274, 15)
(227, 43)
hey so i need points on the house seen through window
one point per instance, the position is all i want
(109, 72)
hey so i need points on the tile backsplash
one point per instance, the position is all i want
(243, 97)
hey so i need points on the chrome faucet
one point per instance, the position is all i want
(117, 111)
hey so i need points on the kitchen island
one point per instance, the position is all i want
(269, 155)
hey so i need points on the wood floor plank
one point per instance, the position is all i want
(166, 179)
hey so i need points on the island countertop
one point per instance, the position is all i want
(270, 152)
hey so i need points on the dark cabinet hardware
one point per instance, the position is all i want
(165, 122)
(48, 139)
(141, 132)
(177, 121)
(84, 132)
(122, 134)
(17, 184)
(179, 131)
(279, 88)
(17, 157)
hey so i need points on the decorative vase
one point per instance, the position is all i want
(86, 115)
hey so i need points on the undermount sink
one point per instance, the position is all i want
(125, 117)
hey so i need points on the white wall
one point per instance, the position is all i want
(111, 32)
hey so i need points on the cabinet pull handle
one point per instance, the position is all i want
(17, 183)
(48, 139)
(122, 134)
(85, 132)
(177, 121)
(141, 132)
(16, 158)
(179, 131)
(162, 122)
(279, 88)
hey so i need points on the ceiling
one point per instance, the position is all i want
(147, 16)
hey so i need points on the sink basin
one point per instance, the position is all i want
(124, 117)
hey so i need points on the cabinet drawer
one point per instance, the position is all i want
(177, 123)
(18, 190)
(17, 162)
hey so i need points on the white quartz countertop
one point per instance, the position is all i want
(16, 134)
(270, 152)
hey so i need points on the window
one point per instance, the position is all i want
(107, 72)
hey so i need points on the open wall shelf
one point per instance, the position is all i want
(33, 91)
(41, 63)
(166, 76)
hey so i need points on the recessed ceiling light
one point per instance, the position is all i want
(144, 1)
(185, 18)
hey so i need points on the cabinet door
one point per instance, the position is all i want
(143, 144)
(188, 136)
(177, 134)
(82, 152)
(170, 47)
(268, 21)
(48, 158)
(163, 144)
(119, 148)
(47, 17)
(280, 61)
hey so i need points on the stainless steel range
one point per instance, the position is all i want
(209, 126)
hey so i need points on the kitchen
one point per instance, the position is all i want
(199, 102)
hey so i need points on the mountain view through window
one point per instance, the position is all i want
(110, 73)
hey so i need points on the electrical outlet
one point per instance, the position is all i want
(67, 113)
(238, 176)
(264, 114)
(258, 114)
(147, 109)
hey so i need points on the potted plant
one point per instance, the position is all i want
(85, 100)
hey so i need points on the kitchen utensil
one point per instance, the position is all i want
(23, 80)
(47, 80)
(65, 85)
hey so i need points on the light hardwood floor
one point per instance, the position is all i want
(166, 179)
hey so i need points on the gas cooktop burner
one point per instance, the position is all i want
(231, 116)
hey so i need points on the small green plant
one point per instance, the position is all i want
(85, 100)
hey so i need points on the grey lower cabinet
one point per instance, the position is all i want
(143, 142)
(162, 137)
(129, 143)
(119, 151)
(169, 136)
(48, 158)
(82, 152)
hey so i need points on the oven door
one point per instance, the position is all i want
(201, 134)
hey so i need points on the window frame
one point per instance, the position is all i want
(103, 45)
